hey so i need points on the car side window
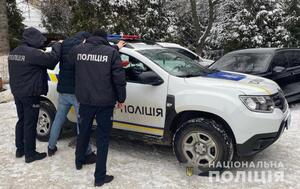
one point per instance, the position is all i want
(280, 59)
(133, 68)
(294, 58)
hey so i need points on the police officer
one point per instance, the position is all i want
(100, 83)
(28, 66)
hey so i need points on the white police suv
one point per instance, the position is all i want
(206, 115)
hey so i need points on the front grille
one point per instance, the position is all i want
(279, 101)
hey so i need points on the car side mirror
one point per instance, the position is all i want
(150, 78)
(278, 69)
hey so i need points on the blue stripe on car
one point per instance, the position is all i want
(225, 75)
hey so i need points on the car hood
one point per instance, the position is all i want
(247, 84)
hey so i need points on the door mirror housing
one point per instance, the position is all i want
(278, 69)
(150, 78)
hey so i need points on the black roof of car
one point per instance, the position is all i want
(262, 50)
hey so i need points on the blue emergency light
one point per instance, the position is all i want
(120, 37)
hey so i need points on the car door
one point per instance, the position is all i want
(145, 106)
(294, 65)
(292, 86)
(280, 69)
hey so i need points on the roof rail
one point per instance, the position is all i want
(128, 41)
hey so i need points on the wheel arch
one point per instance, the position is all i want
(187, 115)
(44, 99)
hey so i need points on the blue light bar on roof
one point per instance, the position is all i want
(116, 36)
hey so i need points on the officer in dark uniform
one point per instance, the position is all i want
(100, 84)
(28, 66)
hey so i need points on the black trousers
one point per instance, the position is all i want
(28, 112)
(103, 115)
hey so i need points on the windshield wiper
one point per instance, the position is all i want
(203, 73)
(191, 75)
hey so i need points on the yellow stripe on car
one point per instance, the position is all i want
(53, 77)
(260, 88)
(255, 87)
(138, 128)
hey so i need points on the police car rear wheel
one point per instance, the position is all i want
(200, 143)
(46, 117)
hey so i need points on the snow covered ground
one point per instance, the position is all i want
(134, 164)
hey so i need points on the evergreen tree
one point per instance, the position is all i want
(15, 25)
(148, 18)
(256, 23)
(292, 9)
(153, 19)
(88, 15)
(56, 16)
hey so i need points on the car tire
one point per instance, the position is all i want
(203, 144)
(45, 120)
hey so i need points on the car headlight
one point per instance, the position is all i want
(258, 103)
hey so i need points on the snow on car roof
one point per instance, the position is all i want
(142, 45)
(166, 44)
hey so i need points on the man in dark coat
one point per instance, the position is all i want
(66, 90)
(28, 66)
(67, 99)
(100, 84)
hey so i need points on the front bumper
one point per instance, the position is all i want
(260, 142)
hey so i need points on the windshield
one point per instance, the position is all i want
(175, 63)
(188, 54)
(244, 62)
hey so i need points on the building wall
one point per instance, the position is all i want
(32, 14)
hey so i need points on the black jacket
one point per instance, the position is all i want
(66, 80)
(100, 78)
(28, 65)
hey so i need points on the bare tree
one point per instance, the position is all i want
(4, 41)
(202, 35)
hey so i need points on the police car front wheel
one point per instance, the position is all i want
(45, 120)
(202, 144)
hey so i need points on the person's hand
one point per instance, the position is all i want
(60, 41)
(121, 44)
(119, 105)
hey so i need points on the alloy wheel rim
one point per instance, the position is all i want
(44, 122)
(200, 149)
